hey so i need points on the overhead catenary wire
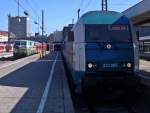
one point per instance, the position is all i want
(33, 2)
(80, 7)
(35, 12)
(36, 5)
(38, 19)
(86, 6)
(70, 18)
(17, 1)
(33, 19)
(122, 3)
(31, 7)
(21, 6)
(81, 3)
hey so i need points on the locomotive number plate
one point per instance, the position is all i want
(110, 65)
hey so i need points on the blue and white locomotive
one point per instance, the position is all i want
(101, 51)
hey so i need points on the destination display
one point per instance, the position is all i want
(118, 27)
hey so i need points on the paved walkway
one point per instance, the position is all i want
(35, 86)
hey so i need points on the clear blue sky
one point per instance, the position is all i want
(57, 12)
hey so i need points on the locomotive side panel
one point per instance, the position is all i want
(79, 54)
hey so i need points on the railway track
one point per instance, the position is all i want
(84, 106)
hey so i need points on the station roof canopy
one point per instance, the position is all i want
(139, 13)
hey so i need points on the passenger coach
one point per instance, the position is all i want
(101, 51)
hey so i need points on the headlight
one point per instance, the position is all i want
(129, 65)
(92, 65)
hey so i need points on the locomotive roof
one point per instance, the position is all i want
(103, 17)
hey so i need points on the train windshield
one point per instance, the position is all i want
(18, 43)
(107, 33)
(23, 43)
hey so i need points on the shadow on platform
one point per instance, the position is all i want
(32, 77)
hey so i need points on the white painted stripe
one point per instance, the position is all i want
(49, 61)
(45, 94)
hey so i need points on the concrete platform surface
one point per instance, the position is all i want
(6, 54)
(145, 72)
(35, 86)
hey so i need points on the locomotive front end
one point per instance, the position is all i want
(103, 54)
(111, 62)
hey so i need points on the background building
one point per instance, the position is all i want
(66, 29)
(20, 26)
(58, 36)
(3, 36)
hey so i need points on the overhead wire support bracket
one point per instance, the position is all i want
(104, 5)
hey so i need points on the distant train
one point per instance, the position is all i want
(101, 51)
(27, 47)
(144, 48)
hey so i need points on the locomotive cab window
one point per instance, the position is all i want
(23, 43)
(17, 43)
(107, 33)
(30, 43)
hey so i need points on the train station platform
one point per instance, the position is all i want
(145, 72)
(59, 99)
(6, 54)
(38, 87)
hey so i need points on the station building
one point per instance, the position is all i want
(140, 17)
